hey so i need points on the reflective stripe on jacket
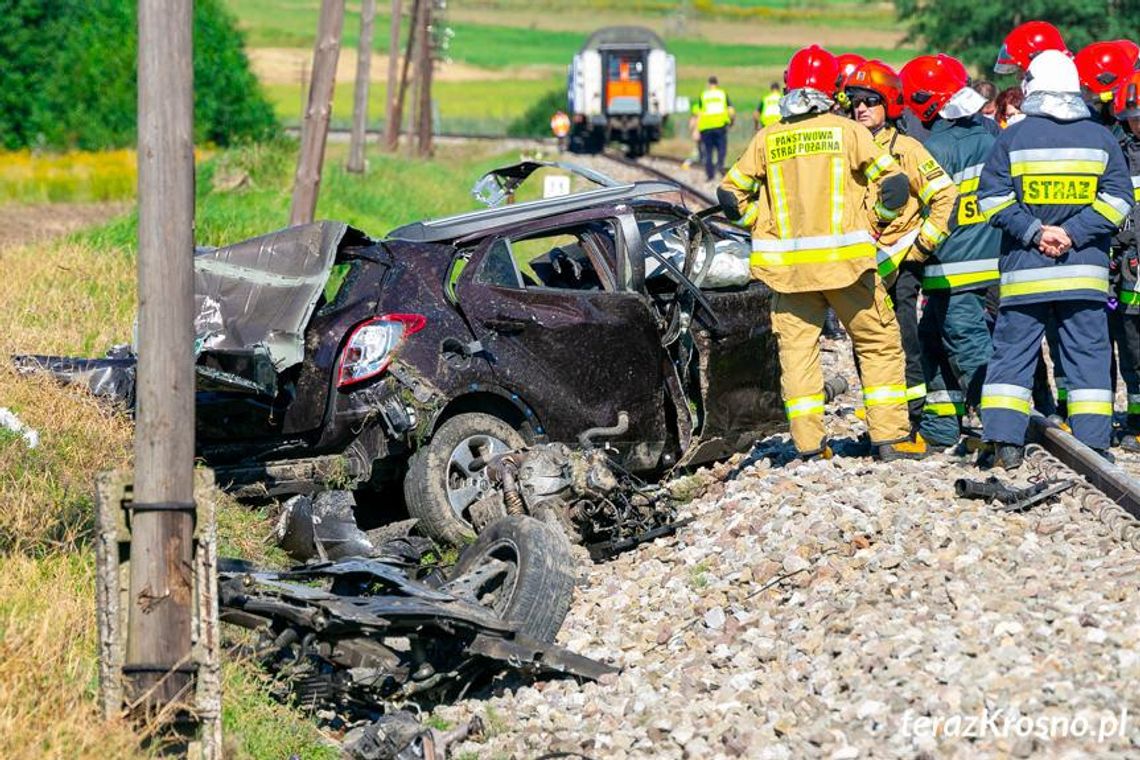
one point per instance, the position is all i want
(713, 109)
(1124, 246)
(807, 181)
(968, 259)
(925, 218)
(1047, 172)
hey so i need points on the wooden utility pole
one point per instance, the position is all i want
(360, 94)
(157, 666)
(423, 77)
(409, 51)
(315, 127)
(394, 111)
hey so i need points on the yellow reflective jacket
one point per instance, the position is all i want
(808, 187)
(924, 222)
(714, 109)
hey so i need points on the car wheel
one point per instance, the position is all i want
(441, 484)
(521, 568)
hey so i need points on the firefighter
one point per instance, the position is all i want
(1024, 43)
(768, 111)
(875, 96)
(1057, 186)
(1124, 320)
(955, 337)
(1102, 67)
(714, 115)
(1018, 49)
(811, 243)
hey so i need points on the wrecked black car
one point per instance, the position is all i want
(328, 359)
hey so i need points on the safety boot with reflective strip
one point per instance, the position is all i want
(915, 449)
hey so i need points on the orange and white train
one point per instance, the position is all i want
(622, 85)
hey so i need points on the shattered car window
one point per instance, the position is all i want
(499, 268)
(566, 260)
(337, 275)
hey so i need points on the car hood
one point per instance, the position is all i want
(258, 295)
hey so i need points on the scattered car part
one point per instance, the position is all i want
(354, 635)
(591, 498)
(325, 528)
(399, 736)
(10, 422)
(1011, 499)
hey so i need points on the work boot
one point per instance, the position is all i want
(1060, 422)
(1130, 443)
(831, 327)
(915, 449)
(825, 453)
(1008, 456)
(1106, 455)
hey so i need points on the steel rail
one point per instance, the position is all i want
(1106, 477)
(686, 188)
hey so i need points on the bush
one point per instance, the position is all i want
(535, 121)
(69, 78)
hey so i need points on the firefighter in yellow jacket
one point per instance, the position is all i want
(802, 183)
(874, 95)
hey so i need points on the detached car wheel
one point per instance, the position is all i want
(441, 483)
(521, 568)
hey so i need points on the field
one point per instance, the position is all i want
(506, 55)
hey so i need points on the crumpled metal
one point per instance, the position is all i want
(1062, 106)
(804, 100)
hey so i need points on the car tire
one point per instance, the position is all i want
(522, 569)
(437, 484)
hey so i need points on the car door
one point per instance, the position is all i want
(545, 306)
(733, 369)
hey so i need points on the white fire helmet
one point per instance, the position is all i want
(1051, 71)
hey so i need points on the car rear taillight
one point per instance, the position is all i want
(373, 344)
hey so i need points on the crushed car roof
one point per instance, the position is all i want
(451, 228)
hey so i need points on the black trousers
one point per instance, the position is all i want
(1124, 332)
(904, 293)
(714, 140)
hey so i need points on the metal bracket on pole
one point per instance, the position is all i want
(114, 506)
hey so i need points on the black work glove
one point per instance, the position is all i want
(894, 191)
(728, 204)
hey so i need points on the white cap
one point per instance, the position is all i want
(1051, 71)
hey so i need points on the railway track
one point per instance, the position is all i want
(642, 165)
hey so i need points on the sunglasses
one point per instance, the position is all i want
(870, 100)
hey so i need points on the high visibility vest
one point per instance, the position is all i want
(714, 109)
(770, 111)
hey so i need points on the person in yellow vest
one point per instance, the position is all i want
(768, 112)
(714, 116)
(804, 181)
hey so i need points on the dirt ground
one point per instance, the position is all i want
(21, 224)
(286, 66)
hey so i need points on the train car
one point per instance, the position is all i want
(622, 85)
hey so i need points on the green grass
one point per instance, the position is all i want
(478, 107)
(393, 191)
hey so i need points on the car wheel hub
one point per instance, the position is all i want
(466, 485)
